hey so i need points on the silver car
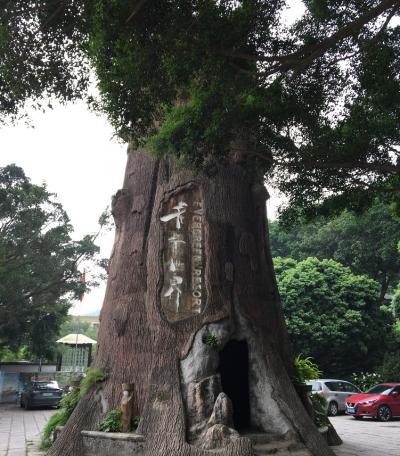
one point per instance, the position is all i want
(335, 392)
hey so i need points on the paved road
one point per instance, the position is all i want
(20, 434)
(20, 430)
(367, 437)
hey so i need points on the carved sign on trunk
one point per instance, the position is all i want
(182, 294)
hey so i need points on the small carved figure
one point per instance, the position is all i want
(127, 406)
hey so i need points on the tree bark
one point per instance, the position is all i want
(165, 331)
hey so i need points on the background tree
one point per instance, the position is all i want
(332, 315)
(347, 238)
(39, 263)
(226, 89)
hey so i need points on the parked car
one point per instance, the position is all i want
(335, 392)
(40, 394)
(381, 402)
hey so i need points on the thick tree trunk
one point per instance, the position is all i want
(192, 312)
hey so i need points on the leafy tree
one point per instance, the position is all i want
(225, 95)
(347, 238)
(38, 264)
(331, 315)
(318, 101)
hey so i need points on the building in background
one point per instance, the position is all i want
(77, 353)
(13, 375)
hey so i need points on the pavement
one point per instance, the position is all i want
(20, 432)
(367, 437)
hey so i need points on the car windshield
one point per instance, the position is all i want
(45, 385)
(381, 389)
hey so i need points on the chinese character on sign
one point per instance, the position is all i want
(176, 240)
(174, 290)
(180, 209)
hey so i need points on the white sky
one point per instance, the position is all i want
(73, 151)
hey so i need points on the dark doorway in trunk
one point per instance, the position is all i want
(234, 370)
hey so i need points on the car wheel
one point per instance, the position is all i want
(333, 408)
(384, 413)
(27, 405)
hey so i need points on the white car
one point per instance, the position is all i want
(335, 392)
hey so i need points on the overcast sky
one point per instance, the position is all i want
(73, 151)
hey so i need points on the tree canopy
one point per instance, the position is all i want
(332, 315)
(314, 106)
(347, 238)
(38, 264)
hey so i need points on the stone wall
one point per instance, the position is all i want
(112, 443)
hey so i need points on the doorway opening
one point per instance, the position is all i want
(234, 370)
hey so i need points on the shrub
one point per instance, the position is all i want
(68, 404)
(58, 419)
(112, 422)
(212, 340)
(320, 406)
(93, 376)
(306, 369)
(390, 369)
(366, 380)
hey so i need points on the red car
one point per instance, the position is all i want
(381, 402)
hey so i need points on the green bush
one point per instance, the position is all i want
(320, 406)
(68, 404)
(366, 380)
(390, 369)
(93, 376)
(135, 423)
(58, 419)
(306, 369)
(213, 341)
(112, 422)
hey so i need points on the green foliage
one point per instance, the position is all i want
(135, 423)
(212, 341)
(396, 303)
(333, 315)
(320, 406)
(306, 369)
(390, 369)
(58, 419)
(112, 422)
(38, 264)
(68, 404)
(366, 380)
(93, 376)
(192, 77)
(346, 238)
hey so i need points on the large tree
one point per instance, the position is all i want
(224, 94)
(39, 262)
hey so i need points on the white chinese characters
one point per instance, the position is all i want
(182, 293)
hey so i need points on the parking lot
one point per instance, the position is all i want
(20, 434)
(367, 437)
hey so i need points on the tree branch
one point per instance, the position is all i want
(136, 9)
(381, 167)
(303, 57)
